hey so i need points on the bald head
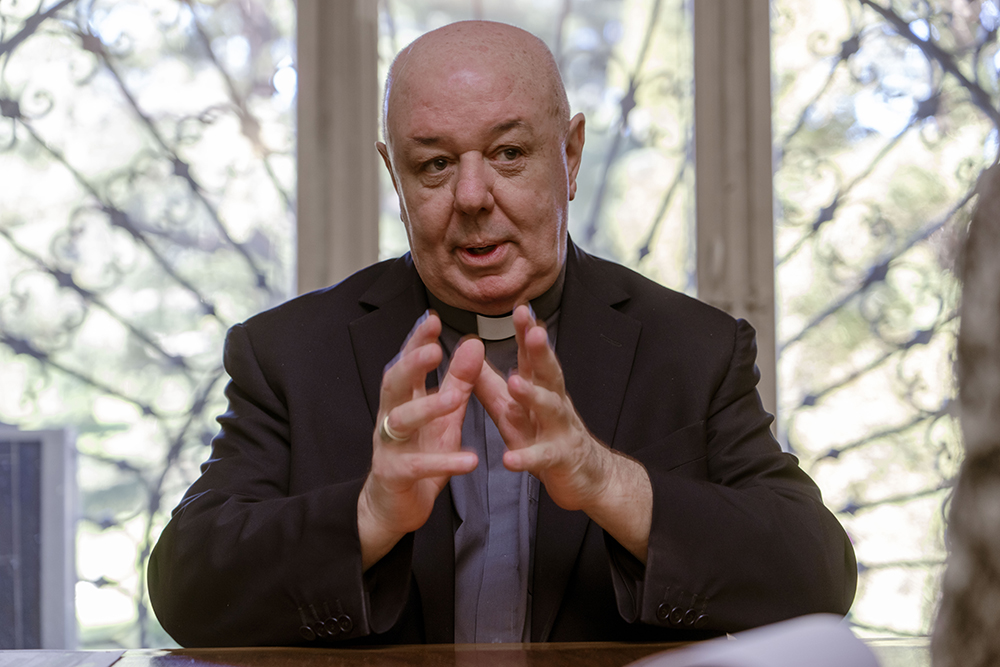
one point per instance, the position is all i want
(458, 52)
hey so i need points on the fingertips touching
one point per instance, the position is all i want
(466, 362)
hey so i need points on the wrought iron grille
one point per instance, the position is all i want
(146, 155)
(134, 231)
(886, 112)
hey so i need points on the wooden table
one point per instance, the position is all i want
(890, 652)
(439, 655)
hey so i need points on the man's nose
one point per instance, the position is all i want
(474, 188)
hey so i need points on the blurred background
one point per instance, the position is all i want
(148, 200)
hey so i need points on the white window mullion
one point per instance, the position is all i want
(733, 158)
(337, 204)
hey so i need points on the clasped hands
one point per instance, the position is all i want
(533, 413)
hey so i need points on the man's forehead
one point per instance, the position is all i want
(469, 76)
(466, 102)
(463, 80)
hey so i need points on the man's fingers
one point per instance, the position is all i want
(537, 457)
(425, 330)
(545, 368)
(536, 360)
(491, 390)
(465, 365)
(407, 418)
(401, 370)
(523, 320)
(545, 404)
(406, 378)
(512, 419)
(405, 468)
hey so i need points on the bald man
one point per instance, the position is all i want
(496, 437)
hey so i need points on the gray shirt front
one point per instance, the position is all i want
(495, 509)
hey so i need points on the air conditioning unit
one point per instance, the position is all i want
(37, 539)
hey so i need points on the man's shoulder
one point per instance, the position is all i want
(337, 304)
(647, 300)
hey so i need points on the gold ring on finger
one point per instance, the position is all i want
(387, 434)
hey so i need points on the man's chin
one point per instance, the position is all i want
(484, 298)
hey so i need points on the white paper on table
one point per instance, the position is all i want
(817, 640)
(58, 658)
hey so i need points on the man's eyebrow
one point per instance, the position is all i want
(496, 130)
(507, 126)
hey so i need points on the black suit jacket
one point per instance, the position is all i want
(263, 549)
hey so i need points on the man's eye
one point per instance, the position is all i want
(436, 165)
(510, 154)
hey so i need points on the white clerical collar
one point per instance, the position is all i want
(495, 328)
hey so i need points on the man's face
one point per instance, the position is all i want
(484, 171)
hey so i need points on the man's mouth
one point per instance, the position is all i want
(480, 250)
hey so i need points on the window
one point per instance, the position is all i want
(885, 113)
(149, 165)
(147, 161)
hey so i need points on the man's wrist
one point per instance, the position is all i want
(624, 506)
(376, 541)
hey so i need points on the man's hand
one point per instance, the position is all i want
(408, 474)
(545, 436)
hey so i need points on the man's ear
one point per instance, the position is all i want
(383, 150)
(574, 151)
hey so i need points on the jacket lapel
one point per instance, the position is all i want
(397, 299)
(596, 346)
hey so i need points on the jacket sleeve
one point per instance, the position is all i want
(740, 536)
(243, 561)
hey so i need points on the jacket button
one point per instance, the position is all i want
(332, 629)
(689, 617)
(701, 621)
(676, 616)
(307, 633)
(662, 612)
(345, 623)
